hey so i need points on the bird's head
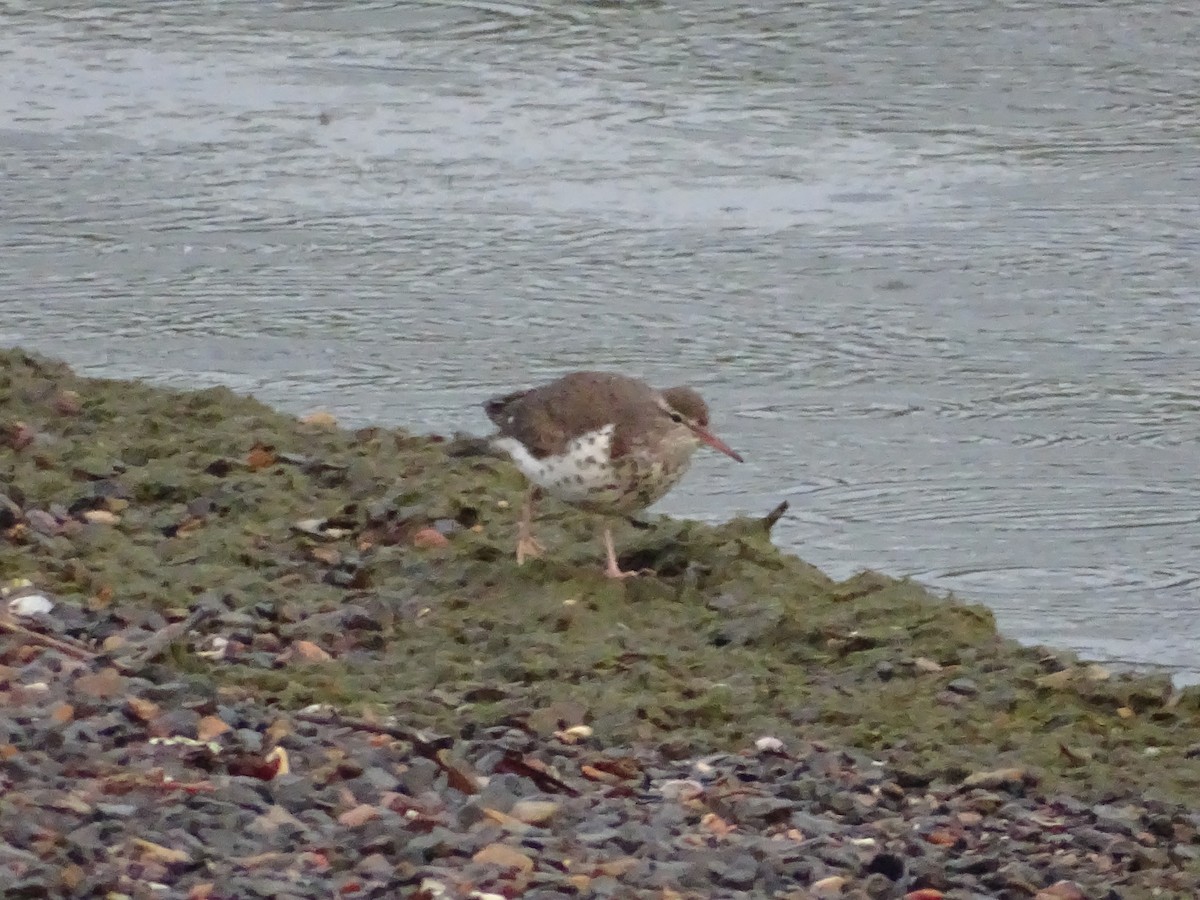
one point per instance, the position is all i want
(687, 409)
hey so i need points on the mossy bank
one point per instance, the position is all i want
(392, 553)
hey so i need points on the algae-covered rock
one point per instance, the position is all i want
(211, 494)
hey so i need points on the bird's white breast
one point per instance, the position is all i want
(580, 473)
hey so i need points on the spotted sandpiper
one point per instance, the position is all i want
(605, 443)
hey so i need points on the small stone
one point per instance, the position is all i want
(117, 810)
(100, 517)
(20, 435)
(159, 853)
(210, 727)
(681, 789)
(768, 744)
(307, 651)
(926, 666)
(574, 734)
(1061, 890)
(738, 872)
(1019, 876)
(68, 403)
(1115, 818)
(261, 456)
(534, 812)
(42, 522)
(360, 815)
(761, 811)
(963, 686)
(810, 825)
(942, 837)
(272, 820)
(105, 683)
(505, 857)
(429, 539)
(831, 886)
(471, 810)
(999, 779)
(985, 802)
(1057, 681)
(142, 710)
(320, 419)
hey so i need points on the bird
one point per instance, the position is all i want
(603, 442)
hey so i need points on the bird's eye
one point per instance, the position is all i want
(675, 417)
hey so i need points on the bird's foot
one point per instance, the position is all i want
(614, 571)
(528, 548)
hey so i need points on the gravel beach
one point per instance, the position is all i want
(249, 655)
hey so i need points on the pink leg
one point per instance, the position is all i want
(527, 546)
(612, 570)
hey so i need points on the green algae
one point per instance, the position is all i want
(731, 641)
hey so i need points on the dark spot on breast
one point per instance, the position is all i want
(590, 460)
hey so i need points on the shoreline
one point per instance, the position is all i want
(372, 571)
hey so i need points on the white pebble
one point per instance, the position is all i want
(30, 605)
(768, 745)
(216, 648)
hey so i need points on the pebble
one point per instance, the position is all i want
(30, 605)
(534, 812)
(429, 538)
(999, 779)
(123, 785)
(963, 686)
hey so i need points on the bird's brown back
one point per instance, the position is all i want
(545, 419)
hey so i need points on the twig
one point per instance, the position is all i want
(146, 650)
(67, 647)
(774, 515)
(423, 746)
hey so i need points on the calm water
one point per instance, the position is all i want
(935, 266)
